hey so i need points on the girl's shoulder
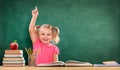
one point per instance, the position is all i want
(37, 41)
(52, 45)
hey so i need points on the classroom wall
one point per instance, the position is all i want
(89, 29)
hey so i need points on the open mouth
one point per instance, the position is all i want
(45, 39)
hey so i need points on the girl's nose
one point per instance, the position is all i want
(46, 36)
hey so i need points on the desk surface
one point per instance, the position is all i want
(59, 68)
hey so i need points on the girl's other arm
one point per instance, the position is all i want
(32, 25)
(55, 57)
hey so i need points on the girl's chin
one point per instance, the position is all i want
(45, 42)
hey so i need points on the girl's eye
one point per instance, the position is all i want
(42, 34)
(48, 34)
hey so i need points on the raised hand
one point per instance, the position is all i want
(35, 12)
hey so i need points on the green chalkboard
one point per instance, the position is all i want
(89, 29)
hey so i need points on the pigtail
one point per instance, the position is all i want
(56, 37)
(37, 27)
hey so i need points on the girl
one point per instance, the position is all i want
(42, 40)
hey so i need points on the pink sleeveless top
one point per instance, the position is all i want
(46, 52)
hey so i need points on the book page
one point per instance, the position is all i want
(58, 63)
(74, 63)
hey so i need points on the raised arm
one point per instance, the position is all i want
(32, 25)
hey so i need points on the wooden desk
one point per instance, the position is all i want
(59, 68)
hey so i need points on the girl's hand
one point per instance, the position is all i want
(35, 12)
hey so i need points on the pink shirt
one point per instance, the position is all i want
(47, 51)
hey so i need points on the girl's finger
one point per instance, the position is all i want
(36, 7)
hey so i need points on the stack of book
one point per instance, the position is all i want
(13, 58)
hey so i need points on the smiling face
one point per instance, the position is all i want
(45, 35)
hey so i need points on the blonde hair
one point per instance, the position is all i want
(37, 27)
(55, 32)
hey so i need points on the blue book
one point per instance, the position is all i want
(107, 65)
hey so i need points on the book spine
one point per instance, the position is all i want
(13, 65)
(14, 51)
(14, 61)
(13, 58)
(15, 55)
